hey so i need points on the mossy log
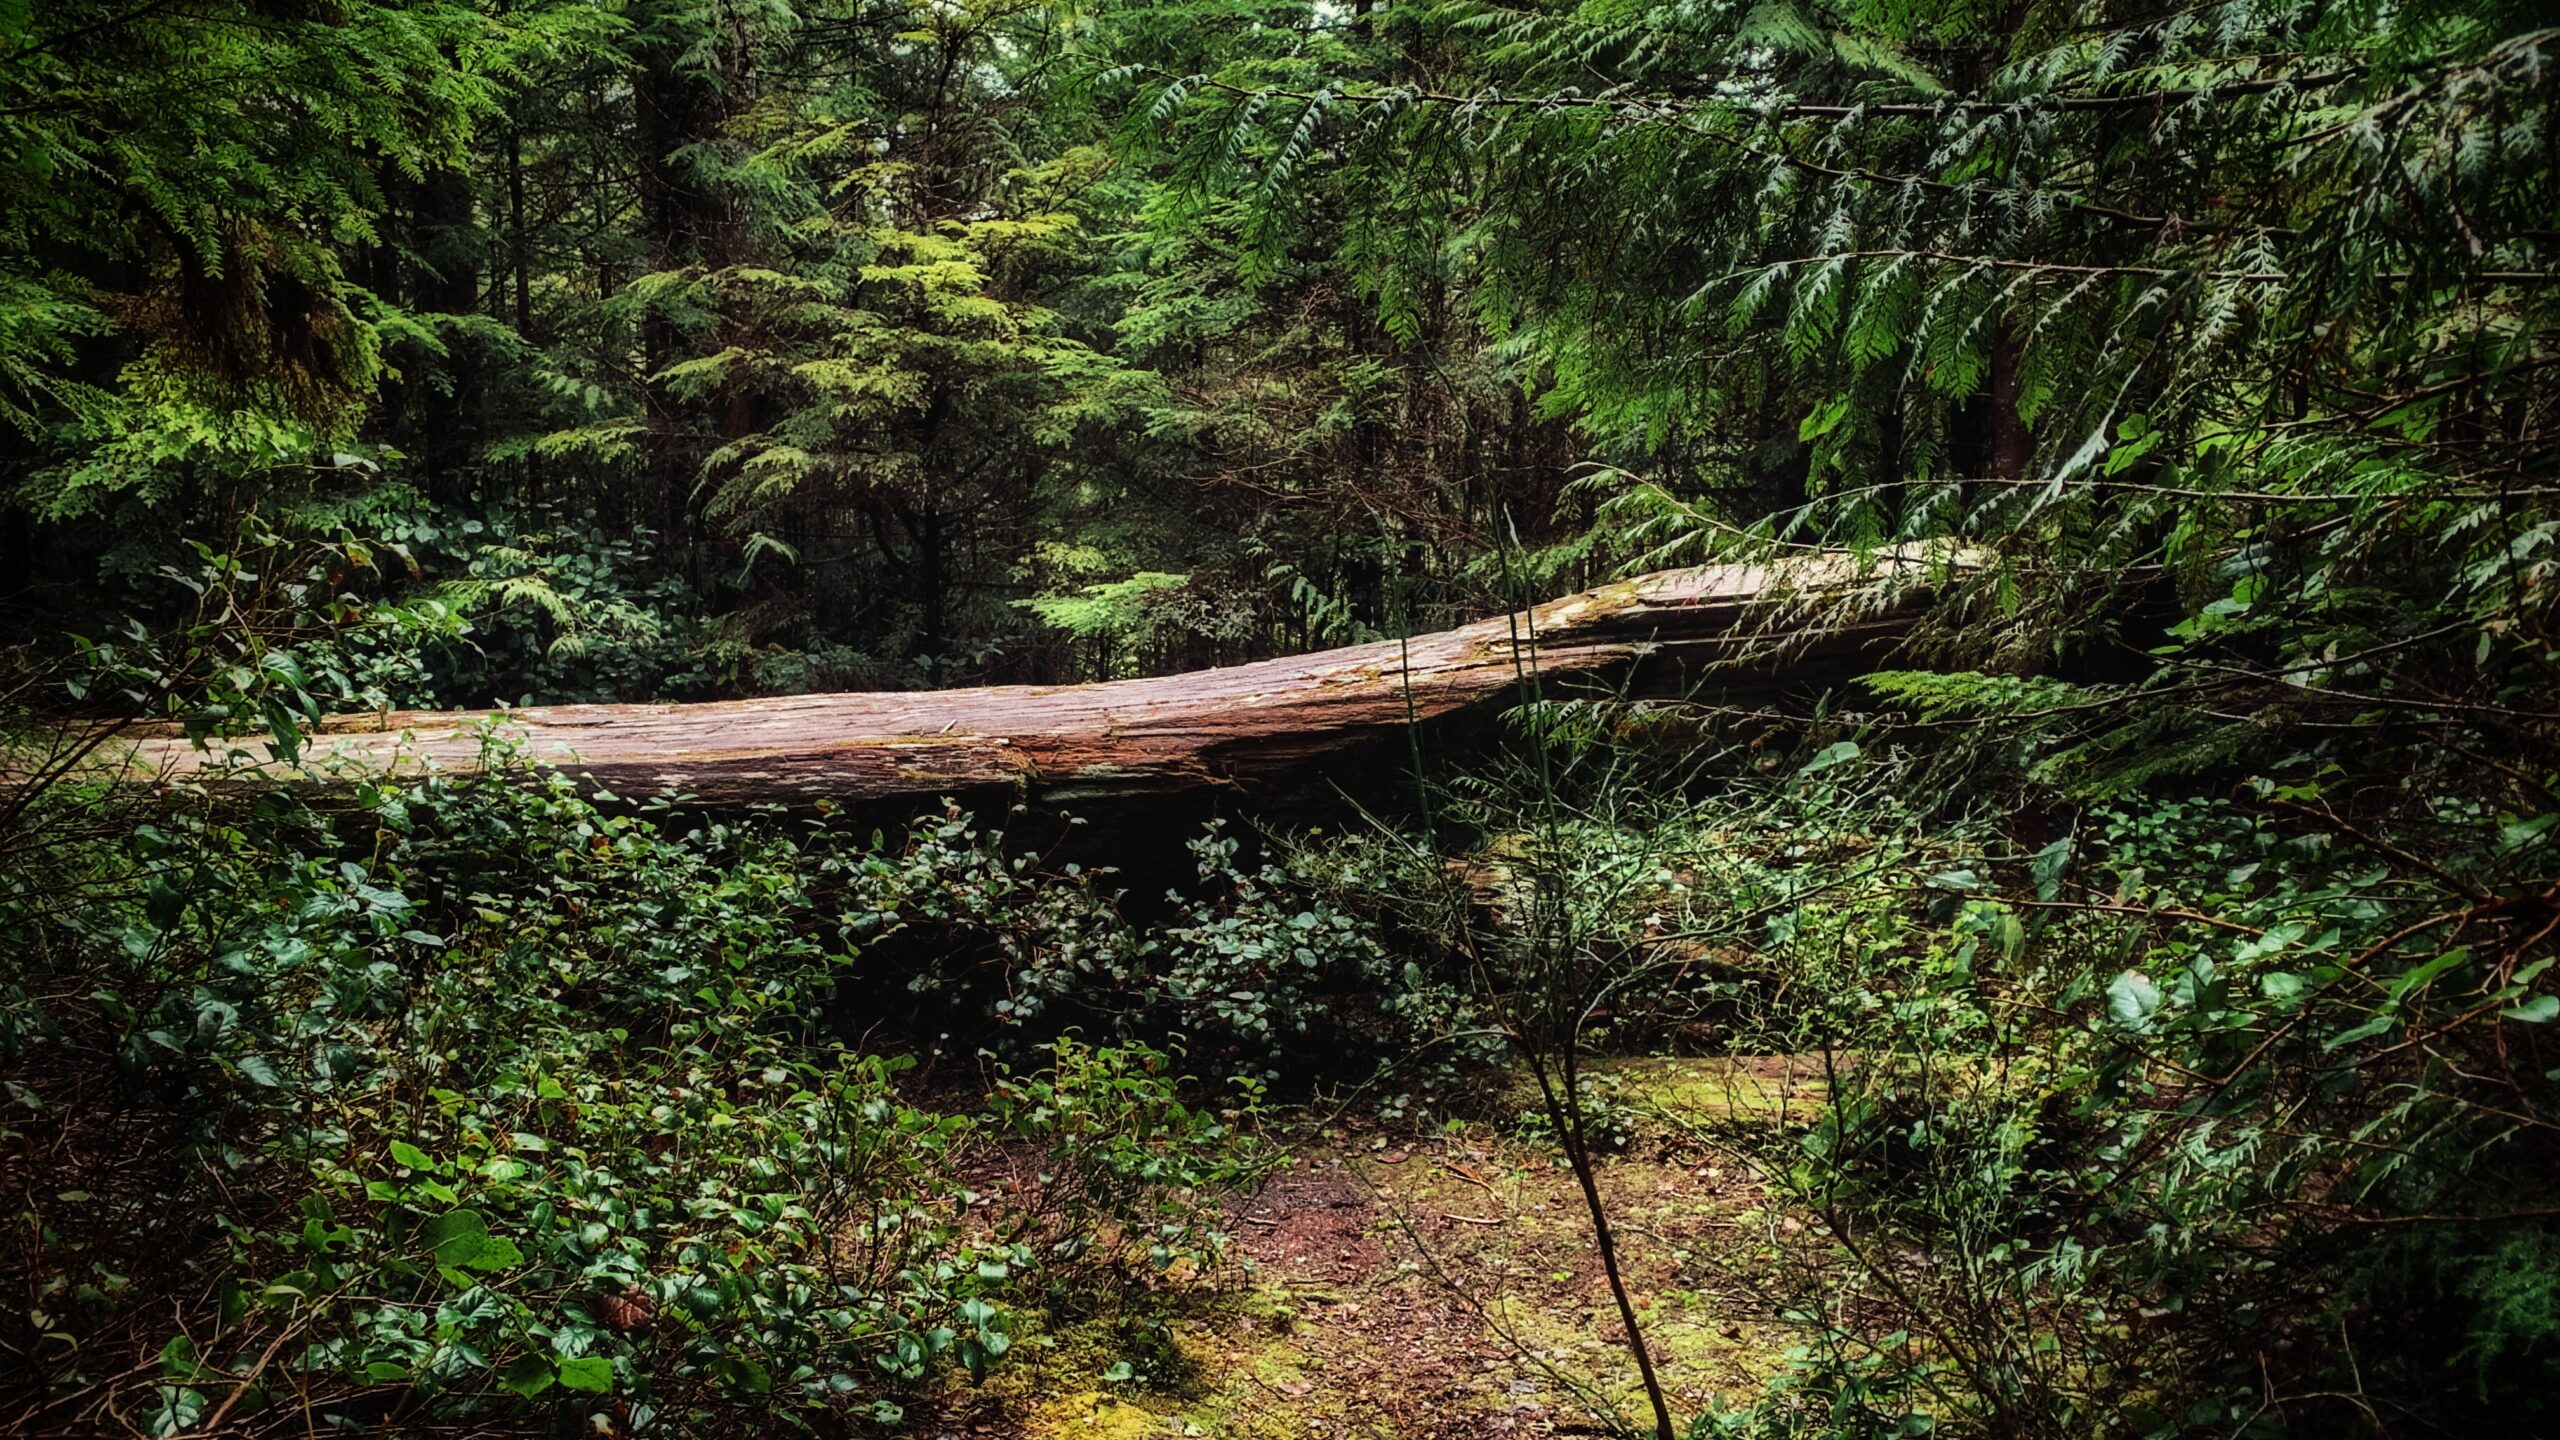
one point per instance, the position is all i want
(1258, 731)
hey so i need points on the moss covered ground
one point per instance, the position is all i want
(1404, 1282)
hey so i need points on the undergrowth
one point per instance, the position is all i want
(470, 1106)
(2180, 1112)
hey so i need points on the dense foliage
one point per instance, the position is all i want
(692, 350)
(477, 1106)
(2215, 1115)
(2175, 923)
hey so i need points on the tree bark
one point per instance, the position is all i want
(1259, 732)
(2012, 444)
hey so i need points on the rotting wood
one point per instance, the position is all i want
(1248, 728)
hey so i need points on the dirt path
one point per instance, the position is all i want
(1442, 1286)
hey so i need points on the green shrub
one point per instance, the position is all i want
(474, 1104)
(1130, 1179)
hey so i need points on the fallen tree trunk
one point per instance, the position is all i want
(1257, 730)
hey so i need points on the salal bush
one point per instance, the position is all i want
(468, 1105)
(1291, 966)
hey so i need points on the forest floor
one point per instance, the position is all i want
(1403, 1283)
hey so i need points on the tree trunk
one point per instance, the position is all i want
(675, 106)
(520, 248)
(1261, 733)
(2012, 444)
(446, 239)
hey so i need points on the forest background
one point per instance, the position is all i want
(362, 356)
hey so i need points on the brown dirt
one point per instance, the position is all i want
(1438, 1286)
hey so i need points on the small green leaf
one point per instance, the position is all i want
(2421, 974)
(528, 1375)
(2049, 866)
(1838, 752)
(456, 1238)
(496, 1253)
(2365, 1031)
(2132, 1000)
(163, 903)
(178, 1360)
(2540, 1010)
(178, 1410)
(404, 1153)
(591, 1373)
